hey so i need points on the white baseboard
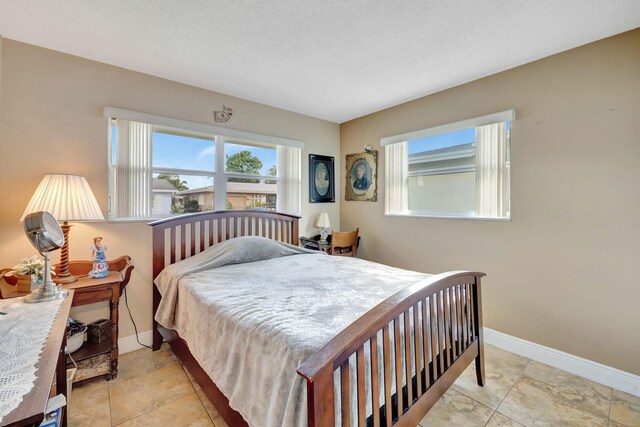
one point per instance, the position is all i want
(127, 344)
(594, 371)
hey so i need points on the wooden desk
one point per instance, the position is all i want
(89, 291)
(52, 360)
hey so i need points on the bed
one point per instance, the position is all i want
(345, 362)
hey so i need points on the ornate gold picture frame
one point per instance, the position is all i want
(362, 177)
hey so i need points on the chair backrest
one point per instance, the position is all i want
(344, 243)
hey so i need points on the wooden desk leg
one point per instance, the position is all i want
(115, 300)
(61, 377)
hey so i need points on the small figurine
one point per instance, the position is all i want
(100, 266)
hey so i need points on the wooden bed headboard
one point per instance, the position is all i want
(180, 237)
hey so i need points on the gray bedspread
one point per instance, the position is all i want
(252, 310)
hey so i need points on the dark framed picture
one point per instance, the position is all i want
(361, 176)
(322, 182)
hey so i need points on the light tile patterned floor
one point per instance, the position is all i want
(153, 389)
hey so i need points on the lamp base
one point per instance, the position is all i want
(64, 276)
(65, 280)
(46, 293)
(324, 233)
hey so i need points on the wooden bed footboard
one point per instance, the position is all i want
(443, 315)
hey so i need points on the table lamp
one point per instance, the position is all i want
(323, 224)
(67, 198)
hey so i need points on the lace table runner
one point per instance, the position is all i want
(23, 333)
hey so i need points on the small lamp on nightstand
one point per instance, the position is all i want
(323, 224)
(67, 198)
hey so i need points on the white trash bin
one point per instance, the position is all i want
(71, 373)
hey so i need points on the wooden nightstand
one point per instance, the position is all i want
(314, 243)
(89, 291)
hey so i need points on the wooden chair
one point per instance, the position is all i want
(344, 243)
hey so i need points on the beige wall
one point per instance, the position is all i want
(51, 121)
(562, 272)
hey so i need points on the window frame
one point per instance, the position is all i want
(502, 116)
(196, 130)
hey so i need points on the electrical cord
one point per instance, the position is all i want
(135, 328)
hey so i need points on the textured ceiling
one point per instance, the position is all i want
(336, 60)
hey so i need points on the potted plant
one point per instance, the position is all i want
(29, 273)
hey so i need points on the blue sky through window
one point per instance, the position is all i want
(183, 152)
(442, 140)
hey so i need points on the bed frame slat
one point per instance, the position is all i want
(172, 259)
(425, 345)
(192, 226)
(183, 242)
(386, 349)
(202, 234)
(375, 381)
(407, 357)
(468, 311)
(464, 316)
(447, 328)
(362, 402)
(471, 313)
(398, 355)
(418, 349)
(345, 392)
(476, 307)
(441, 344)
(452, 330)
(458, 319)
(434, 337)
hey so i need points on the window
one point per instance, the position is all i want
(158, 170)
(458, 170)
(251, 171)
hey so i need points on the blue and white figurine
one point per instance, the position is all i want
(100, 266)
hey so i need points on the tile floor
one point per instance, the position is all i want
(154, 389)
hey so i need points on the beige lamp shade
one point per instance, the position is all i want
(323, 221)
(66, 197)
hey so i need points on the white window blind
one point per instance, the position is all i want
(133, 169)
(397, 167)
(289, 172)
(491, 173)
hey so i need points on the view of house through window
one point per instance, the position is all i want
(252, 175)
(441, 172)
(456, 170)
(181, 168)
